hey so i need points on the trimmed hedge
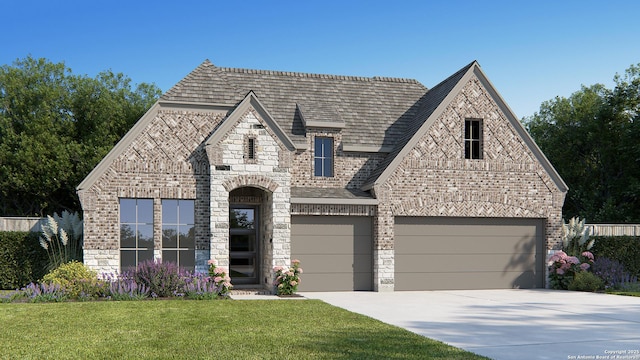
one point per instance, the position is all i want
(625, 249)
(22, 259)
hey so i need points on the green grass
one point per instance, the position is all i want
(178, 329)
(625, 293)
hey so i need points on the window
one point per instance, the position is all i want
(178, 238)
(473, 139)
(251, 149)
(323, 157)
(136, 232)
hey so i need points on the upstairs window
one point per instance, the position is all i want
(473, 139)
(250, 149)
(323, 157)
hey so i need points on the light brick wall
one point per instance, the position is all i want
(268, 172)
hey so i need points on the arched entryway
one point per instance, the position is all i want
(250, 229)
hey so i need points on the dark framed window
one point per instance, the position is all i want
(323, 157)
(473, 139)
(136, 232)
(178, 232)
(250, 149)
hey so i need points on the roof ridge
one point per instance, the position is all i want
(318, 76)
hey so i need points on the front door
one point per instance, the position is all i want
(243, 245)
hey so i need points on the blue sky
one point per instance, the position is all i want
(532, 51)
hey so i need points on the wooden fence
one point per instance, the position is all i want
(614, 229)
(21, 224)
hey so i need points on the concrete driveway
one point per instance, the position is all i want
(509, 324)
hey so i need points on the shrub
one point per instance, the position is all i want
(612, 273)
(586, 281)
(625, 249)
(564, 268)
(22, 260)
(162, 279)
(287, 278)
(78, 280)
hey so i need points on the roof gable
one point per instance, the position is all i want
(433, 104)
(250, 102)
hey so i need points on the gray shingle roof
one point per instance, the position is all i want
(427, 105)
(375, 110)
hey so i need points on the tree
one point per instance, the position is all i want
(55, 127)
(591, 139)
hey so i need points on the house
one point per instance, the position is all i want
(374, 184)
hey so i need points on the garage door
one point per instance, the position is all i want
(335, 252)
(468, 253)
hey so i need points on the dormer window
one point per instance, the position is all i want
(473, 139)
(323, 157)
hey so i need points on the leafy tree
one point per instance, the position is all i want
(592, 140)
(55, 127)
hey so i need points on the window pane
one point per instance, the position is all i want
(328, 167)
(127, 210)
(187, 212)
(127, 236)
(242, 267)
(127, 259)
(318, 146)
(145, 255)
(317, 167)
(467, 129)
(169, 236)
(187, 259)
(476, 149)
(145, 211)
(169, 211)
(328, 148)
(145, 236)
(242, 218)
(242, 242)
(169, 256)
(187, 237)
(467, 149)
(476, 130)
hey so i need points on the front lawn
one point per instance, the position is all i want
(626, 293)
(224, 329)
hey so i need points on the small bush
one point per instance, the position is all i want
(78, 280)
(586, 281)
(162, 279)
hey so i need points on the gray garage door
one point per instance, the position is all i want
(335, 252)
(468, 253)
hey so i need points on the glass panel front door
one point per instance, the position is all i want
(243, 245)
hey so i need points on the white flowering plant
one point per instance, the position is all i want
(287, 278)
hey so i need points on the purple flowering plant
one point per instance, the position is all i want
(287, 279)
